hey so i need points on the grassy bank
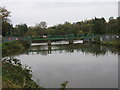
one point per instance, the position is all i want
(15, 75)
(14, 47)
(114, 43)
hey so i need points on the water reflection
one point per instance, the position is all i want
(84, 48)
(75, 63)
(82, 65)
(17, 74)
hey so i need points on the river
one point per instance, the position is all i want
(82, 65)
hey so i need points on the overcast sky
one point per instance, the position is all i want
(58, 11)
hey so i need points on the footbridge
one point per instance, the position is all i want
(50, 38)
(70, 38)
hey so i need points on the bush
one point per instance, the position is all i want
(14, 47)
(16, 75)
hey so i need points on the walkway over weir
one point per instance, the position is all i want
(63, 37)
(70, 38)
(49, 38)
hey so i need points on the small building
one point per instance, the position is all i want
(108, 37)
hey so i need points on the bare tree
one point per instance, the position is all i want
(42, 24)
(4, 14)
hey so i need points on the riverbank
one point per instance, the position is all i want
(14, 74)
(113, 43)
(14, 47)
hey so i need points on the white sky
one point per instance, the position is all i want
(58, 11)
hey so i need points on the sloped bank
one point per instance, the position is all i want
(14, 48)
(113, 43)
(14, 74)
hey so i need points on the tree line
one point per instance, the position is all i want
(97, 26)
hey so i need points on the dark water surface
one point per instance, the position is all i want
(82, 65)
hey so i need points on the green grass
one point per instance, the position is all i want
(115, 43)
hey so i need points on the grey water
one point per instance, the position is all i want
(82, 65)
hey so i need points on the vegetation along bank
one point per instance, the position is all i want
(15, 75)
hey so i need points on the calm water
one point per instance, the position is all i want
(82, 65)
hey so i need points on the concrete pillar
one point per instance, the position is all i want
(101, 39)
(90, 40)
(71, 41)
(84, 40)
(49, 49)
(49, 42)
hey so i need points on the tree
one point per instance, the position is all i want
(20, 30)
(99, 26)
(42, 25)
(118, 25)
(51, 31)
(112, 26)
(6, 26)
(36, 31)
(86, 26)
(4, 14)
